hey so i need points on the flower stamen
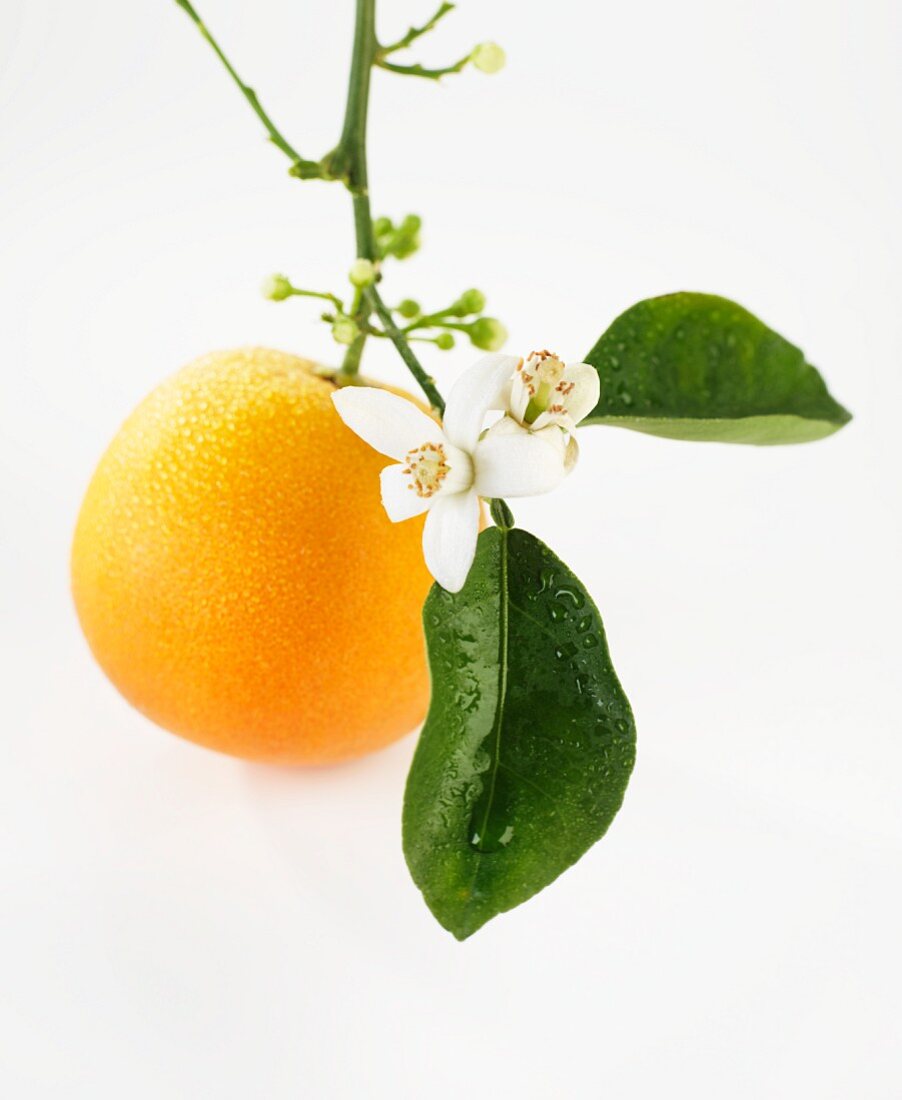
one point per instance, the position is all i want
(427, 467)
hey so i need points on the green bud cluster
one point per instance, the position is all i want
(401, 240)
(349, 322)
(464, 315)
(344, 321)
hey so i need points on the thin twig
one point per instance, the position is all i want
(414, 33)
(249, 94)
(420, 70)
(427, 385)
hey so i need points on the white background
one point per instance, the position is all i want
(177, 924)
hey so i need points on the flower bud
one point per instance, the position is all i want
(488, 57)
(403, 247)
(362, 273)
(406, 238)
(382, 226)
(444, 341)
(345, 331)
(471, 301)
(277, 288)
(409, 308)
(487, 333)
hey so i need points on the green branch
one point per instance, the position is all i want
(348, 159)
(295, 292)
(420, 70)
(414, 33)
(426, 383)
(300, 167)
(347, 162)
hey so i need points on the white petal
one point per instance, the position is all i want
(563, 420)
(399, 498)
(583, 398)
(505, 425)
(519, 463)
(449, 538)
(390, 424)
(571, 455)
(508, 426)
(460, 470)
(476, 391)
(518, 401)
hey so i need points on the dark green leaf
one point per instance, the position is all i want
(529, 741)
(699, 367)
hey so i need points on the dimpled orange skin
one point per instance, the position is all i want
(236, 576)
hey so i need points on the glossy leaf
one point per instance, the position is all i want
(699, 367)
(529, 741)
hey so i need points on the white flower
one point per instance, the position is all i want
(542, 391)
(445, 469)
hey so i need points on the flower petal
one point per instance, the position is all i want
(398, 496)
(390, 424)
(546, 418)
(518, 399)
(571, 454)
(583, 398)
(515, 462)
(477, 390)
(449, 538)
(508, 426)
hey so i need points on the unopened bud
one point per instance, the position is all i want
(488, 57)
(409, 308)
(471, 301)
(445, 341)
(382, 226)
(277, 288)
(406, 238)
(487, 333)
(362, 273)
(345, 331)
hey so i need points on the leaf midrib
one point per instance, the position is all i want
(503, 642)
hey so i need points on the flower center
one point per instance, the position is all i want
(427, 467)
(542, 375)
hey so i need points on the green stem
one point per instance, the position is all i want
(430, 320)
(351, 151)
(427, 384)
(458, 326)
(420, 70)
(303, 166)
(298, 293)
(349, 159)
(346, 162)
(413, 33)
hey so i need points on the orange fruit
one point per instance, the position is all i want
(236, 576)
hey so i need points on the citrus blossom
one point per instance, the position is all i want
(444, 469)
